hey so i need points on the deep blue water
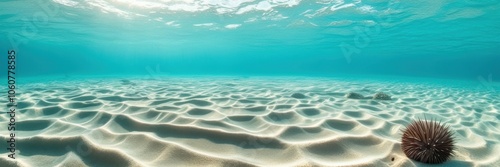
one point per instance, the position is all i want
(442, 39)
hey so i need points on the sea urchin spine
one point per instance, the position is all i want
(428, 142)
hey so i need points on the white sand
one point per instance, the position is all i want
(243, 122)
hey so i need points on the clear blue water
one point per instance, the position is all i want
(235, 71)
(443, 38)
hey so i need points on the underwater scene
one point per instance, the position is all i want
(187, 83)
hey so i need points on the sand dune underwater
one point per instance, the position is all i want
(234, 121)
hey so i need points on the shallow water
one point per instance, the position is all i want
(248, 83)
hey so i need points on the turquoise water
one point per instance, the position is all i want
(246, 82)
(441, 38)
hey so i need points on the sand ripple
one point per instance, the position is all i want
(243, 122)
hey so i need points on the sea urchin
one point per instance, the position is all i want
(428, 142)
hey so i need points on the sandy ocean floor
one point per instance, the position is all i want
(209, 121)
